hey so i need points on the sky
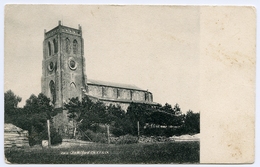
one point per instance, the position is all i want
(152, 47)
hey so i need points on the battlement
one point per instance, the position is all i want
(63, 29)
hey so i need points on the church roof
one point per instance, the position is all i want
(111, 84)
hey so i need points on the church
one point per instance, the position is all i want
(64, 76)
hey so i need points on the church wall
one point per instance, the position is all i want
(72, 77)
(150, 97)
(124, 94)
(60, 122)
(63, 46)
(138, 96)
(50, 74)
(124, 106)
(95, 90)
(110, 92)
(49, 43)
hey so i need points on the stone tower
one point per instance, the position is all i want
(63, 64)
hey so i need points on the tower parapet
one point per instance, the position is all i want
(63, 29)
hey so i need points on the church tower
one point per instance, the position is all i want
(63, 64)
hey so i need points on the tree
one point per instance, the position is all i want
(10, 106)
(166, 116)
(40, 104)
(192, 122)
(39, 109)
(115, 112)
(159, 118)
(86, 113)
(116, 118)
(33, 117)
(167, 108)
(11, 101)
(139, 112)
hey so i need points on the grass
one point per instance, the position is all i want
(149, 153)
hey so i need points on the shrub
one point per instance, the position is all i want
(55, 138)
(33, 137)
(117, 131)
(127, 139)
(97, 128)
(37, 137)
(95, 137)
(153, 139)
(88, 134)
(168, 132)
(100, 138)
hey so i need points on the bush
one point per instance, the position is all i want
(88, 135)
(99, 138)
(168, 132)
(36, 137)
(95, 137)
(97, 128)
(127, 139)
(117, 131)
(153, 139)
(55, 138)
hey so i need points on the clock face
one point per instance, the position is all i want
(72, 64)
(51, 66)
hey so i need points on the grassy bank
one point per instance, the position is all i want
(152, 153)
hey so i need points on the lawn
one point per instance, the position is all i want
(148, 153)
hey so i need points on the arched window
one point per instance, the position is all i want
(49, 48)
(67, 45)
(75, 46)
(52, 91)
(55, 45)
(72, 85)
(73, 90)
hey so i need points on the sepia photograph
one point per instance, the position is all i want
(128, 84)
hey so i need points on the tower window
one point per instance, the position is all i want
(55, 45)
(72, 85)
(49, 48)
(75, 46)
(73, 90)
(67, 45)
(52, 91)
(72, 64)
(51, 66)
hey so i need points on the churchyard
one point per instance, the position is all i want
(143, 134)
(97, 153)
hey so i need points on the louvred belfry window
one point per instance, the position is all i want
(55, 46)
(75, 46)
(67, 45)
(49, 48)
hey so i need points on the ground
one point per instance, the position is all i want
(93, 153)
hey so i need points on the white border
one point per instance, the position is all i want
(255, 3)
